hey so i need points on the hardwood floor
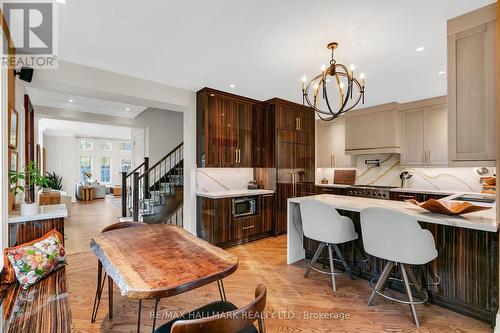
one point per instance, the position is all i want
(291, 298)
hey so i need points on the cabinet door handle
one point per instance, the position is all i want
(299, 123)
(429, 157)
(236, 156)
(248, 227)
(402, 196)
(267, 195)
(239, 156)
(296, 123)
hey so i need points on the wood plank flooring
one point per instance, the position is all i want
(292, 300)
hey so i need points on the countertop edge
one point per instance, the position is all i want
(231, 194)
(57, 211)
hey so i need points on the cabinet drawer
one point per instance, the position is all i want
(246, 227)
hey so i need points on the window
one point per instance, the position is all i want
(126, 166)
(85, 144)
(106, 146)
(125, 146)
(106, 169)
(85, 167)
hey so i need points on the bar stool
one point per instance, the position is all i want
(324, 224)
(398, 238)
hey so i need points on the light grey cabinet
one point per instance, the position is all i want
(330, 139)
(473, 85)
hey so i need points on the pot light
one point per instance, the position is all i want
(442, 72)
(232, 85)
(70, 100)
(420, 48)
(127, 109)
(62, 2)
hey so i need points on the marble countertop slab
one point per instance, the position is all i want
(334, 185)
(232, 193)
(483, 220)
(46, 213)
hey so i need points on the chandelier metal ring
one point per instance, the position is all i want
(319, 83)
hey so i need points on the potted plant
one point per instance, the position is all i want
(54, 181)
(32, 177)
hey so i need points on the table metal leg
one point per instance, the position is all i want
(139, 317)
(110, 297)
(101, 280)
(222, 291)
(154, 315)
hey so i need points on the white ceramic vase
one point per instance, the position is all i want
(29, 209)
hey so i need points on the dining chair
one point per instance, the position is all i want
(101, 279)
(222, 317)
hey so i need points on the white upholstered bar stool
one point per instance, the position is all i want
(397, 237)
(324, 224)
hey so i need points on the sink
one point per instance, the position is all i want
(475, 198)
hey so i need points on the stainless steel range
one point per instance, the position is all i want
(370, 191)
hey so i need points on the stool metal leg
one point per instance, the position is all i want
(330, 254)
(382, 280)
(342, 260)
(415, 283)
(409, 293)
(314, 259)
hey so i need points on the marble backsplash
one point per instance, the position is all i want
(222, 179)
(447, 179)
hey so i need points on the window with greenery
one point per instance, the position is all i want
(106, 169)
(106, 146)
(85, 166)
(85, 144)
(126, 165)
(125, 146)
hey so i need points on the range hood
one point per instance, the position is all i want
(374, 130)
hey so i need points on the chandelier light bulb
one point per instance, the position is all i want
(304, 79)
(323, 68)
(341, 85)
(362, 76)
(352, 67)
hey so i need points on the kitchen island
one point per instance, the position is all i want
(467, 264)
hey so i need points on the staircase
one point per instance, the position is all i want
(155, 194)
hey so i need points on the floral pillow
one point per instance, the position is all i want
(35, 261)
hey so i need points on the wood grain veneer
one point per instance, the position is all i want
(158, 261)
(23, 232)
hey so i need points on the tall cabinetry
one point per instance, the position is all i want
(473, 85)
(295, 129)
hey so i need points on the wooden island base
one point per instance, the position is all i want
(467, 266)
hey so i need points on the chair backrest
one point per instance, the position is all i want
(323, 223)
(231, 322)
(122, 225)
(396, 236)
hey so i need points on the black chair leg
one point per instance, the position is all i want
(101, 280)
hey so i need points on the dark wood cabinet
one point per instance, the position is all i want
(264, 131)
(295, 170)
(224, 126)
(420, 197)
(331, 190)
(217, 225)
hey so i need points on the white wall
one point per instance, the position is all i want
(63, 157)
(164, 131)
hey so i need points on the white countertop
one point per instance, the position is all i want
(334, 185)
(233, 193)
(483, 220)
(46, 213)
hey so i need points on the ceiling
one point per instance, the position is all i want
(264, 47)
(58, 127)
(83, 104)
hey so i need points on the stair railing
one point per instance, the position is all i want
(127, 184)
(150, 187)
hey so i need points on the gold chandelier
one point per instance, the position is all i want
(343, 78)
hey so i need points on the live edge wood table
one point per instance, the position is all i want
(158, 261)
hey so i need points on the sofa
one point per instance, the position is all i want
(99, 190)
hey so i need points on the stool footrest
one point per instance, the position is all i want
(403, 301)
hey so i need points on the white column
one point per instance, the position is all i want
(189, 120)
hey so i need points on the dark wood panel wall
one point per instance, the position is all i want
(24, 232)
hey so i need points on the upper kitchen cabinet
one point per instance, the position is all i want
(425, 133)
(331, 145)
(473, 85)
(264, 136)
(224, 124)
(373, 130)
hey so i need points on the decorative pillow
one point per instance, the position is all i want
(34, 261)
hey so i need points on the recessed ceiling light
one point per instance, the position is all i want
(62, 2)
(232, 85)
(420, 48)
(442, 72)
(127, 109)
(70, 100)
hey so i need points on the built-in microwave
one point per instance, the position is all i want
(245, 206)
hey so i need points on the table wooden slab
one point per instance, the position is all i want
(157, 261)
